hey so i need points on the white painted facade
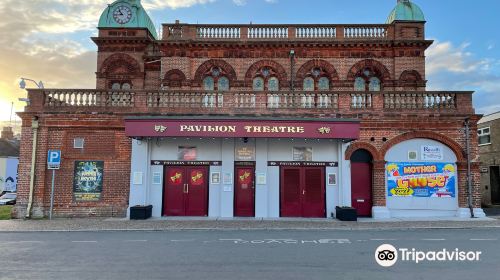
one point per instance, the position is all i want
(221, 196)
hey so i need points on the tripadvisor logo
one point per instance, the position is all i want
(387, 255)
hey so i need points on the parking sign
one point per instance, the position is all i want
(54, 159)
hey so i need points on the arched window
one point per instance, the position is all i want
(323, 84)
(367, 80)
(266, 80)
(309, 84)
(374, 84)
(258, 84)
(126, 86)
(208, 83)
(223, 84)
(359, 84)
(273, 84)
(116, 86)
(215, 79)
(317, 79)
(120, 86)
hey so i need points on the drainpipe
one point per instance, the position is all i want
(469, 175)
(292, 65)
(34, 126)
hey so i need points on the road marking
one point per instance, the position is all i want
(135, 240)
(84, 241)
(434, 239)
(485, 239)
(382, 239)
(182, 240)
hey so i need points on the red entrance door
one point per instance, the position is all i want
(185, 191)
(361, 187)
(244, 196)
(303, 192)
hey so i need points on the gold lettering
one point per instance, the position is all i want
(211, 129)
(248, 129)
(257, 129)
(291, 129)
(300, 129)
(184, 127)
(266, 129)
(274, 129)
(232, 128)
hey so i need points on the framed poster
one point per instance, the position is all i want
(302, 153)
(261, 179)
(88, 180)
(332, 179)
(246, 153)
(215, 178)
(421, 179)
(228, 179)
(186, 153)
(156, 178)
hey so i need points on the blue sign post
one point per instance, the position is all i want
(53, 163)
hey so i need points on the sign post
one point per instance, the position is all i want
(53, 163)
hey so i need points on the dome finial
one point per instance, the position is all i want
(405, 10)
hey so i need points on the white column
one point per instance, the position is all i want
(227, 191)
(261, 209)
(345, 176)
(139, 167)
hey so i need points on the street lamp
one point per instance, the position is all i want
(22, 83)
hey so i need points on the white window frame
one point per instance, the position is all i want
(480, 132)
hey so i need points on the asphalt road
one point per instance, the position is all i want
(241, 255)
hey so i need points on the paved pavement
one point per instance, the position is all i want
(242, 254)
(231, 224)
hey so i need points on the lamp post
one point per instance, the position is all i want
(22, 83)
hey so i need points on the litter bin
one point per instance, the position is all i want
(139, 212)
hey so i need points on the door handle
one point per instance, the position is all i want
(303, 192)
(184, 188)
(187, 188)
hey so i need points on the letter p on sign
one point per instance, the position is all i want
(54, 159)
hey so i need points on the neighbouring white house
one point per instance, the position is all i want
(9, 160)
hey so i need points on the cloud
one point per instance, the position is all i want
(452, 67)
(38, 42)
(445, 56)
(240, 2)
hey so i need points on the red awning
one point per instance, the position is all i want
(241, 128)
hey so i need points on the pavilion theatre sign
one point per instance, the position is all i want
(241, 128)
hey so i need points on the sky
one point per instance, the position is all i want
(49, 40)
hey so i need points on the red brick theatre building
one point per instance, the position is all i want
(253, 120)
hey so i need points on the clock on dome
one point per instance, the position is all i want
(122, 14)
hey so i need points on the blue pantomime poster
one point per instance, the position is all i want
(421, 179)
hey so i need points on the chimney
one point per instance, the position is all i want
(7, 133)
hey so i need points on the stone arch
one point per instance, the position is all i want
(411, 78)
(362, 146)
(278, 68)
(325, 65)
(410, 75)
(381, 71)
(226, 68)
(174, 78)
(120, 64)
(454, 146)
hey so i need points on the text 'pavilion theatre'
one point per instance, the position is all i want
(252, 120)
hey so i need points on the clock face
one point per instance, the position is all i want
(122, 14)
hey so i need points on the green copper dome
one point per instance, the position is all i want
(406, 10)
(127, 14)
